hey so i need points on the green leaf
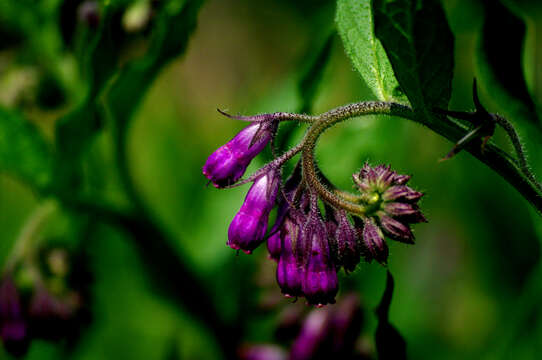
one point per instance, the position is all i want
(499, 63)
(355, 23)
(420, 45)
(23, 151)
(389, 342)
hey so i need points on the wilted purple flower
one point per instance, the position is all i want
(290, 272)
(247, 229)
(13, 326)
(229, 162)
(391, 208)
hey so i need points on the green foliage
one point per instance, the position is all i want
(420, 45)
(500, 63)
(356, 27)
(23, 150)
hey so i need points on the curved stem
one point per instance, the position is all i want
(340, 199)
(510, 169)
(520, 150)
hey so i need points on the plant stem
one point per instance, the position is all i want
(510, 169)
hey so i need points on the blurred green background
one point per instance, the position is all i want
(468, 289)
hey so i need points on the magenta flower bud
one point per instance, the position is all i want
(229, 162)
(401, 192)
(374, 241)
(347, 242)
(13, 327)
(400, 209)
(248, 228)
(396, 230)
(391, 206)
(312, 336)
(289, 272)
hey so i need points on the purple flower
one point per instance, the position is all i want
(312, 336)
(289, 271)
(320, 283)
(229, 162)
(247, 229)
(13, 327)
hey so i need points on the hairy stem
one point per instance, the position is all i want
(514, 171)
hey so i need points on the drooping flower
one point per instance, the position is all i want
(229, 162)
(290, 271)
(320, 283)
(248, 227)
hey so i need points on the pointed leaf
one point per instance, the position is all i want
(355, 24)
(420, 45)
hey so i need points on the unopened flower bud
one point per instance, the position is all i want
(289, 272)
(248, 228)
(229, 162)
(347, 242)
(374, 241)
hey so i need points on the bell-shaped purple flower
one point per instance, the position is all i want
(13, 326)
(374, 242)
(248, 228)
(229, 162)
(320, 283)
(289, 271)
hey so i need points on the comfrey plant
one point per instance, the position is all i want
(308, 246)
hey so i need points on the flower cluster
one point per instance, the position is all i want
(47, 301)
(310, 248)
